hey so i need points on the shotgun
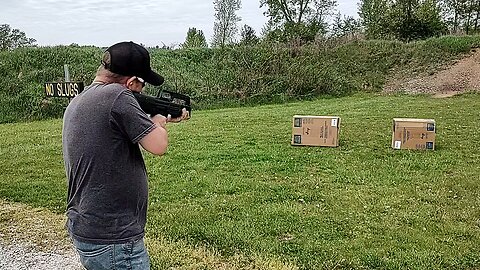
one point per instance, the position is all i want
(164, 103)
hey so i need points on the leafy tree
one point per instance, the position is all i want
(461, 15)
(449, 14)
(430, 17)
(248, 36)
(291, 19)
(13, 38)
(469, 15)
(225, 27)
(374, 16)
(344, 27)
(195, 39)
(414, 19)
(401, 19)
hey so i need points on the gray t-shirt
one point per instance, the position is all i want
(107, 180)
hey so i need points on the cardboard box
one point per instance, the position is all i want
(413, 134)
(315, 130)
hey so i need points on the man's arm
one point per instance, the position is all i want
(156, 142)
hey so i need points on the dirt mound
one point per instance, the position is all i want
(463, 75)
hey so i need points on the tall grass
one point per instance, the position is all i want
(232, 184)
(232, 76)
(24, 71)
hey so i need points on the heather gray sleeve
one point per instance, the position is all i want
(127, 117)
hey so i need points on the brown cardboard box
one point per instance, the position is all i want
(315, 130)
(413, 134)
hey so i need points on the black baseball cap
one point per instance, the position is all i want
(130, 59)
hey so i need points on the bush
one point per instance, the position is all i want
(232, 76)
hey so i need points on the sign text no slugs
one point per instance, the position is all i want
(63, 89)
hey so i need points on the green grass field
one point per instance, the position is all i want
(232, 184)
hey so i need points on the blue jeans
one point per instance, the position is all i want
(131, 255)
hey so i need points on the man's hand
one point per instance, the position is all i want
(160, 120)
(185, 116)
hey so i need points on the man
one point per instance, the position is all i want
(107, 182)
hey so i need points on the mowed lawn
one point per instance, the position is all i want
(232, 185)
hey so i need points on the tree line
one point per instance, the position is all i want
(305, 21)
(11, 38)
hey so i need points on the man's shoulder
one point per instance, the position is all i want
(112, 90)
(106, 86)
(118, 89)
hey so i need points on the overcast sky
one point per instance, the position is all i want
(105, 22)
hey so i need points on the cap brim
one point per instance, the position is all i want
(154, 79)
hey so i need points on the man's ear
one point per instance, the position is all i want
(130, 81)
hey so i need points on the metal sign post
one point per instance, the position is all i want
(67, 77)
(67, 73)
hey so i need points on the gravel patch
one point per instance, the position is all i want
(34, 239)
(22, 257)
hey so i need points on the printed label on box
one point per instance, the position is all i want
(297, 122)
(334, 122)
(429, 145)
(297, 139)
(430, 127)
(398, 144)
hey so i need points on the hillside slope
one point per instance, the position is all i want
(457, 77)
